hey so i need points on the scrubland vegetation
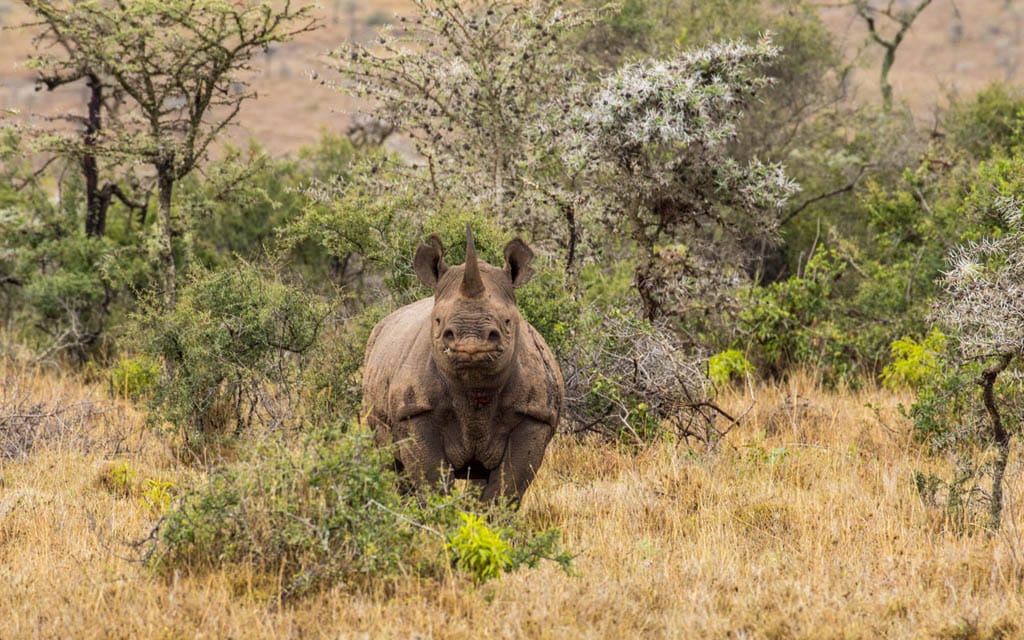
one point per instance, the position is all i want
(806, 523)
(789, 324)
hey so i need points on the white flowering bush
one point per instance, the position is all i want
(984, 302)
(659, 136)
(464, 80)
(690, 100)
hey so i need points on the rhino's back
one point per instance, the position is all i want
(398, 357)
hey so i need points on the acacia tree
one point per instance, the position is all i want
(903, 20)
(983, 307)
(180, 66)
(626, 165)
(70, 66)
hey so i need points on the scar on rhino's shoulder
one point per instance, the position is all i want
(411, 405)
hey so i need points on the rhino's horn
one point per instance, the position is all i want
(472, 283)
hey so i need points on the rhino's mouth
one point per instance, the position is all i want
(467, 358)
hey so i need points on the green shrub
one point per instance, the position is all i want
(945, 410)
(233, 349)
(795, 322)
(379, 215)
(134, 377)
(915, 363)
(547, 303)
(73, 285)
(478, 550)
(324, 515)
(61, 290)
(157, 494)
(725, 366)
(485, 540)
(329, 512)
(950, 421)
(332, 382)
(989, 120)
(245, 198)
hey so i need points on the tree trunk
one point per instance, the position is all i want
(499, 186)
(1000, 438)
(647, 283)
(573, 239)
(165, 246)
(95, 203)
(887, 61)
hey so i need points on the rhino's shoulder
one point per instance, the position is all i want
(538, 390)
(400, 376)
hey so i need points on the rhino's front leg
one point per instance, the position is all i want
(519, 465)
(421, 452)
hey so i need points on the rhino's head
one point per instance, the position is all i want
(475, 322)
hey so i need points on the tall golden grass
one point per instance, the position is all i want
(805, 524)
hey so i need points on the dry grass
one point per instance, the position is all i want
(828, 539)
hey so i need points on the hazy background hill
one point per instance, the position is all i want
(953, 47)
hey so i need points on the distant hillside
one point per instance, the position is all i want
(953, 47)
(941, 54)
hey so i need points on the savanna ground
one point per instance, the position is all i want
(805, 524)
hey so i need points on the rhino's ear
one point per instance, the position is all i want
(517, 262)
(429, 262)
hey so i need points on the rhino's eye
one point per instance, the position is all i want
(437, 321)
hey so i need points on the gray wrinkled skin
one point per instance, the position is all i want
(460, 382)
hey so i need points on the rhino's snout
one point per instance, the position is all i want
(470, 346)
(471, 342)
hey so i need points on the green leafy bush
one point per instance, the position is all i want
(915, 363)
(157, 494)
(326, 514)
(989, 120)
(233, 350)
(134, 377)
(485, 550)
(246, 198)
(479, 551)
(547, 302)
(61, 291)
(332, 382)
(949, 420)
(727, 365)
(794, 322)
(378, 215)
(329, 512)
(72, 285)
